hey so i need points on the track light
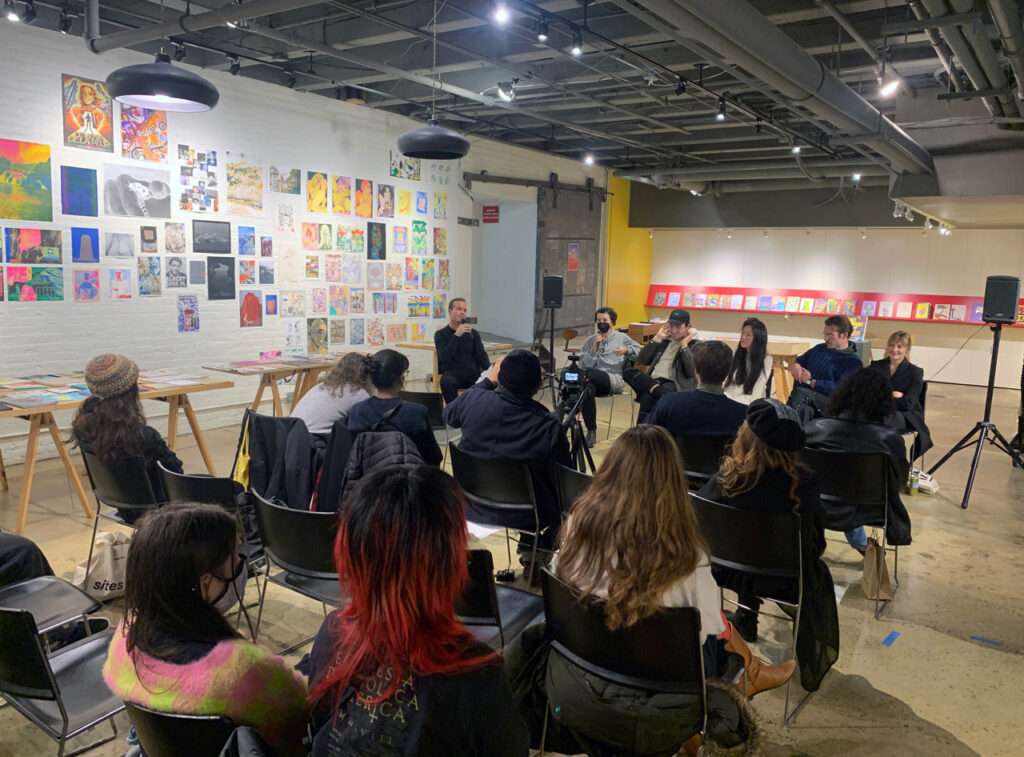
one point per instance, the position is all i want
(928, 223)
(29, 14)
(897, 209)
(728, 235)
(577, 41)
(855, 177)
(290, 81)
(721, 109)
(542, 30)
(10, 13)
(65, 21)
(507, 90)
(588, 159)
(888, 88)
(179, 52)
(681, 87)
(795, 149)
(650, 233)
(500, 13)
(909, 214)
(863, 234)
(235, 65)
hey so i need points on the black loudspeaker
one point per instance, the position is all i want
(553, 291)
(1001, 296)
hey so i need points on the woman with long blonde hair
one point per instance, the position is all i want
(762, 472)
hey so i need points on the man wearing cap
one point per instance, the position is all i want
(707, 411)
(500, 421)
(669, 362)
(460, 352)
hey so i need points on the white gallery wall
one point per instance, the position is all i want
(887, 260)
(274, 125)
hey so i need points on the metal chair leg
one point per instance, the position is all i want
(92, 545)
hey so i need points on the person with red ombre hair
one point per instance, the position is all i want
(395, 672)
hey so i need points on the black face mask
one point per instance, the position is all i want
(603, 327)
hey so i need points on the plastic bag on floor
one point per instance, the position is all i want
(107, 567)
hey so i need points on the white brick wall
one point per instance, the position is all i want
(277, 125)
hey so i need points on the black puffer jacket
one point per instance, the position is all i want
(376, 449)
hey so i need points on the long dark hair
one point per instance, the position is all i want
(401, 557)
(173, 547)
(864, 394)
(386, 368)
(112, 427)
(758, 349)
(351, 372)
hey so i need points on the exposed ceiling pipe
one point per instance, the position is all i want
(982, 47)
(830, 7)
(748, 167)
(941, 49)
(1007, 21)
(782, 185)
(737, 31)
(182, 22)
(794, 172)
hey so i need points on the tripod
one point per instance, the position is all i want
(582, 460)
(983, 428)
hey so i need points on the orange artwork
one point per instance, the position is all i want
(364, 198)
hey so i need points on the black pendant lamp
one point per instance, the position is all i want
(162, 86)
(432, 141)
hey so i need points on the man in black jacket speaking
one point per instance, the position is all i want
(668, 361)
(460, 352)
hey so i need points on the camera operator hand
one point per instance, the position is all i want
(495, 366)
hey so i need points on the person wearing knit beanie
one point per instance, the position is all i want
(108, 375)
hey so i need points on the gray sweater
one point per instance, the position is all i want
(602, 356)
(319, 409)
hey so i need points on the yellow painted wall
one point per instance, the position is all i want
(628, 262)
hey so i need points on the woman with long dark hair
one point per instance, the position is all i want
(332, 398)
(175, 651)
(395, 672)
(907, 388)
(750, 377)
(389, 412)
(111, 425)
(762, 472)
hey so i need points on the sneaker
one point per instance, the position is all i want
(592, 437)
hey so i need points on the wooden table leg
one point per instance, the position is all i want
(69, 464)
(435, 376)
(193, 423)
(29, 470)
(276, 393)
(173, 403)
(3, 473)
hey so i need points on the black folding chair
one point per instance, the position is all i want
(499, 612)
(301, 544)
(855, 492)
(434, 403)
(52, 601)
(759, 544)
(124, 486)
(661, 653)
(571, 484)
(63, 695)
(702, 456)
(500, 493)
(166, 734)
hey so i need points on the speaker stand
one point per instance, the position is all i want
(551, 351)
(983, 428)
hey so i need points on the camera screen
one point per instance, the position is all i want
(572, 376)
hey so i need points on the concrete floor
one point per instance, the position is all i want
(943, 687)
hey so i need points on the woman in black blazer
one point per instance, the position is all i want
(907, 383)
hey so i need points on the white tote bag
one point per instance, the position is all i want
(107, 569)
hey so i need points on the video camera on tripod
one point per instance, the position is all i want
(573, 385)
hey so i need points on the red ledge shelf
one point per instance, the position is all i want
(659, 296)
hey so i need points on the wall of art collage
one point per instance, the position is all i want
(277, 221)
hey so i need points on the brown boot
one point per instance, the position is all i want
(758, 677)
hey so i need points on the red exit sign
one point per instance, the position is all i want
(490, 214)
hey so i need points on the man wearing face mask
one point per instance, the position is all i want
(603, 356)
(668, 361)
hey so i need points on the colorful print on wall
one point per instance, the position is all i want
(246, 273)
(136, 191)
(266, 247)
(318, 300)
(402, 167)
(78, 191)
(444, 280)
(197, 182)
(427, 271)
(32, 246)
(439, 307)
(377, 249)
(117, 245)
(356, 331)
(246, 240)
(120, 283)
(87, 284)
(421, 203)
(271, 302)
(364, 198)
(375, 275)
(244, 176)
(196, 272)
(143, 134)
(332, 267)
(440, 172)
(174, 238)
(85, 245)
(404, 202)
(316, 191)
(337, 300)
(212, 236)
(312, 266)
(147, 240)
(188, 313)
(310, 235)
(401, 240)
(316, 336)
(412, 273)
(440, 206)
(325, 237)
(266, 272)
(419, 238)
(149, 277)
(356, 300)
(34, 284)
(385, 303)
(250, 308)
(26, 189)
(375, 332)
(293, 303)
(88, 114)
(397, 332)
(417, 332)
(284, 181)
(393, 275)
(419, 306)
(385, 201)
(440, 241)
(220, 278)
(337, 332)
(341, 195)
(175, 273)
(351, 239)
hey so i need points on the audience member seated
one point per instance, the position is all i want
(331, 399)
(750, 377)
(20, 559)
(388, 412)
(500, 421)
(111, 425)
(762, 472)
(907, 384)
(461, 357)
(707, 411)
(819, 370)
(175, 652)
(395, 672)
(632, 540)
(668, 361)
(856, 424)
(603, 355)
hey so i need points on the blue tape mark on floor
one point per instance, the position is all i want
(888, 640)
(990, 642)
